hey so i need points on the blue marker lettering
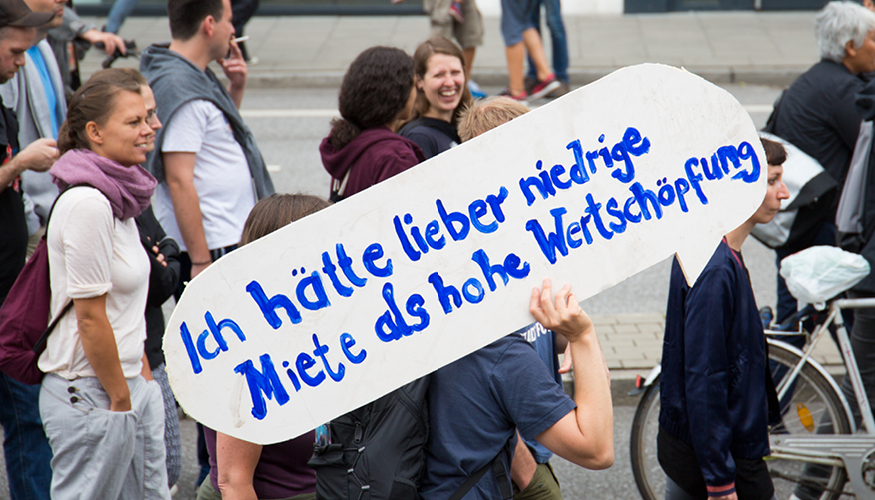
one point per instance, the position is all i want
(264, 383)
(373, 253)
(551, 242)
(346, 343)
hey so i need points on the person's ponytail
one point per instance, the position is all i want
(342, 133)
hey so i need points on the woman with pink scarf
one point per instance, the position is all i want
(101, 411)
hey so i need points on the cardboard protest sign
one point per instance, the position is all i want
(395, 282)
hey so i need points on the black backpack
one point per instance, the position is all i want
(377, 452)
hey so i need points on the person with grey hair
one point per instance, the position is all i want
(818, 114)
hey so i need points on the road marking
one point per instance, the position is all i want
(274, 168)
(289, 113)
(758, 108)
(331, 113)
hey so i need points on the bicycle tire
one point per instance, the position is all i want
(812, 390)
(648, 474)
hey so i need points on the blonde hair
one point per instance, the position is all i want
(486, 114)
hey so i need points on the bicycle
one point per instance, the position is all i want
(816, 447)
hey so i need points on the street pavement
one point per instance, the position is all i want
(724, 47)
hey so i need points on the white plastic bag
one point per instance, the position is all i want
(819, 273)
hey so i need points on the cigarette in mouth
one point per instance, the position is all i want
(240, 39)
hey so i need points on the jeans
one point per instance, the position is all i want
(120, 10)
(675, 492)
(26, 447)
(243, 11)
(558, 40)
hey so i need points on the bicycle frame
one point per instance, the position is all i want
(851, 450)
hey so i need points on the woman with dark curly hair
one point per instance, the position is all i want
(441, 95)
(376, 97)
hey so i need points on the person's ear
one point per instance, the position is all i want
(417, 81)
(92, 130)
(209, 25)
(850, 49)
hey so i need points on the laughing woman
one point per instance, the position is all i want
(103, 415)
(441, 95)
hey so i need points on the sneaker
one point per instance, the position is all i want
(559, 91)
(476, 91)
(529, 84)
(544, 87)
(253, 61)
(521, 97)
(456, 12)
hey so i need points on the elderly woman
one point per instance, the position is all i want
(818, 115)
(101, 411)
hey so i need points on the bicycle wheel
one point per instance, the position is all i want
(811, 407)
(645, 466)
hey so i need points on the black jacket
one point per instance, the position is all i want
(162, 281)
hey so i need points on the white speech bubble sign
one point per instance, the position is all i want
(326, 282)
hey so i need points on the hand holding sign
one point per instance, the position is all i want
(349, 304)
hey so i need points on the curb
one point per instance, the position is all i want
(498, 78)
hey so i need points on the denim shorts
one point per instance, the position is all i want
(516, 17)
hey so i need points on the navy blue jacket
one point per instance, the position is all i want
(713, 387)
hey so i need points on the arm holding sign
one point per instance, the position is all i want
(584, 436)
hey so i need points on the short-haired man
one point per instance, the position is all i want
(818, 114)
(205, 158)
(531, 475)
(27, 451)
(486, 114)
(36, 94)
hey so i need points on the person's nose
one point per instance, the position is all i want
(783, 192)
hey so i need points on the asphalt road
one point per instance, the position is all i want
(289, 124)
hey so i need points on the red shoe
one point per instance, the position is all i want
(456, 12)
(521, 97)
(544, 87)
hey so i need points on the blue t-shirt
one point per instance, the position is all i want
(544, 342)
(476, 404)
(48, 89)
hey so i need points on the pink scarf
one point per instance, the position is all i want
(128, 189)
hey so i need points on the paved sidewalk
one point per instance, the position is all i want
(725, 47)
(632, 344)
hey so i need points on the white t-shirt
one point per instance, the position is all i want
(92, 253)
(221, 174)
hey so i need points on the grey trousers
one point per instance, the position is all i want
(101, 454)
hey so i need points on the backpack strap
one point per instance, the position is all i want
(500, 474)
(45, 336)
(338, 187)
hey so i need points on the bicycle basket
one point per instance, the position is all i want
(819, 273)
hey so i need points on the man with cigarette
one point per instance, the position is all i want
(210, 170)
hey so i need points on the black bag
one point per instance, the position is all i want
(377, 452)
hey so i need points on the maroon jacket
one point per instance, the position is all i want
(374, 156)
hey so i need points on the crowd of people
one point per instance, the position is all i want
(138, 181)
